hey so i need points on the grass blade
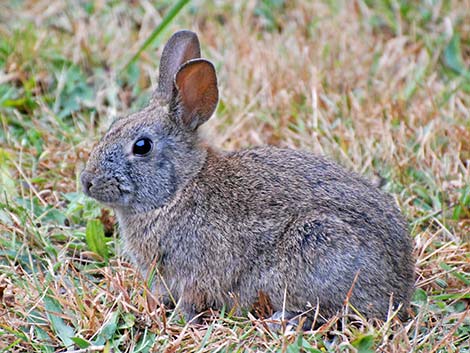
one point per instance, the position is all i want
(95, 238)
(159, 29)
(64, 332)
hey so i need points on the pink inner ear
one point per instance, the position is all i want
(190, 90)
(197, 85)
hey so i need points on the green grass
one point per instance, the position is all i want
(381, 86)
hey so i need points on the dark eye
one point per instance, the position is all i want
(142, 146)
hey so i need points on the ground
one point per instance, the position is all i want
(383, 87)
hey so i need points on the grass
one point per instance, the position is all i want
(381, 86)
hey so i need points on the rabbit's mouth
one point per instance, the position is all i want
(107, 190)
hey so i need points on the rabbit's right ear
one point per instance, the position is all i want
(196, 93)
(181, 47)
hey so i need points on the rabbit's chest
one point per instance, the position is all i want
(141, 238)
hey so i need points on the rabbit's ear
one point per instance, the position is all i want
(181, 47)
(196, 92)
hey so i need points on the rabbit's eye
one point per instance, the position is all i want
(142, 146)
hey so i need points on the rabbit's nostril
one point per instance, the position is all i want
(87, 182)
(88, 185)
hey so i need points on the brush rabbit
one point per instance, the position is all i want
(224, 227)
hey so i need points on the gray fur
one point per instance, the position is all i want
(225, 226)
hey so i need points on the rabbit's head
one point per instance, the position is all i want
(146, 157)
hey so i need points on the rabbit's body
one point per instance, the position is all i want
(223, 227)
(303, 225)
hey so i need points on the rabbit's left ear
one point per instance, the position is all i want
(196, 93)
(180, 48)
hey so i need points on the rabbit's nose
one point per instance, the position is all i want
(87, 182)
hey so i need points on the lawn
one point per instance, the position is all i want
(382, 87)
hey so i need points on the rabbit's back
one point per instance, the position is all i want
(272, 181)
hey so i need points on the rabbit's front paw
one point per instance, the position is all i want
(190, 314)
(291, 320)
(279, 318)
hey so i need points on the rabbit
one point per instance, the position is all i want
(222, 228)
